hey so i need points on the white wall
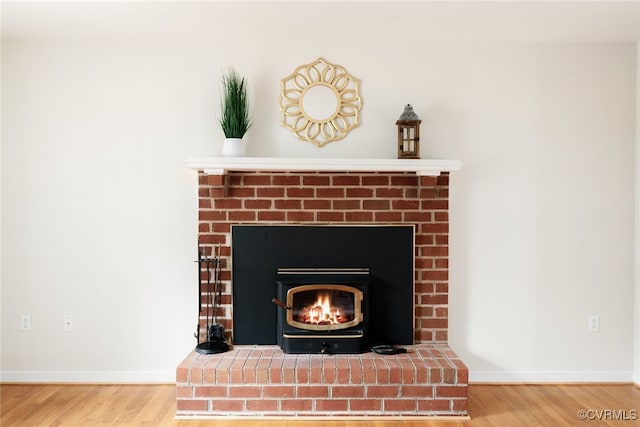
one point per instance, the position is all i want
(99, 210)
(636, 352)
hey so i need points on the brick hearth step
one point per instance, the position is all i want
(429, 379)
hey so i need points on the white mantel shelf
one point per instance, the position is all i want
(223, 165)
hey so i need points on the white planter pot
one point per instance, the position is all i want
(234, 147)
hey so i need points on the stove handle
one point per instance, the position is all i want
(279, 303)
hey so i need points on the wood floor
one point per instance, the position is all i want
(154, 405)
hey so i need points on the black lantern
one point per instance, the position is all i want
(408, 134)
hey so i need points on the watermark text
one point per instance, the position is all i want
(607, 414)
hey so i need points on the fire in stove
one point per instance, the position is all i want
(322, 312)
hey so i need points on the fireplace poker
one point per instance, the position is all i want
(199, 261)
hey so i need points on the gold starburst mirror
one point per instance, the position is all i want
(320, 102)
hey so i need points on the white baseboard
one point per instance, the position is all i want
(551, 377)
(136, 377)
(167, 377)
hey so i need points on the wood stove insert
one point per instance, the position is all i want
(322, 310)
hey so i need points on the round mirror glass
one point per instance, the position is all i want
(320, 102)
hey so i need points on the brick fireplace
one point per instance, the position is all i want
(260, 380)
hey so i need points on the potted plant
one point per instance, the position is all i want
(234, 119)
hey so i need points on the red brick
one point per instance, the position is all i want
(451, 391)
(432, 205)
(223, 405)
(405, 181)
(391, 193)
(331, 405)
(376, 205)
(330, 193)
(256, 180)
(443, 178)
(434, 323)
(288, 204)
(316, 204)
(368, 371)
(328, 370)
(184, 391)
(303, 192)
(441, 239)
(212, 215)
(346, 180)
(257, 204)
(439, 406)
(242, 216)
(346, 204)
(358, 216)
(316, 180)
(312, 391)
(227, 204)
(382, 391)
(395, 373)
(375, 180)
(211, 391)
(287, 180)
(411, 193)
(192, 405)
(387, 217)
(262, 371)
(400, 405)
(330, 216)
(315, 374)
(289, 369)
(418, 391)
(347, 391)
(296, 405)
(240, 192)
(300, 216)
(235, 374)
(342, 370)
(271, 216)
(355, 370)
(382, 371)
(428, 181)
(196, 371)
(359, 192)
(278, 391)
(365, 405)
(270, 192)
(302, 371)
(215, 180)
(459, 405)
(262, 405)
(244, 391)
(405, 205)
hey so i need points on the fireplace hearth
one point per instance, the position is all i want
(322, 310)
(253, 210)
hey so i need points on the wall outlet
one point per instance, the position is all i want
(68, 322)
(25, 322)
(594, 323)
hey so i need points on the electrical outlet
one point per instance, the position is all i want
(68, 322)
(25, 322)
(594, 323)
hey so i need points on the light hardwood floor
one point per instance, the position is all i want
(154, 405)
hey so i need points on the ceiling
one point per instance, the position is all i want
(457, 21)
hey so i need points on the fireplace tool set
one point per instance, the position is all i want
(215, 331)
